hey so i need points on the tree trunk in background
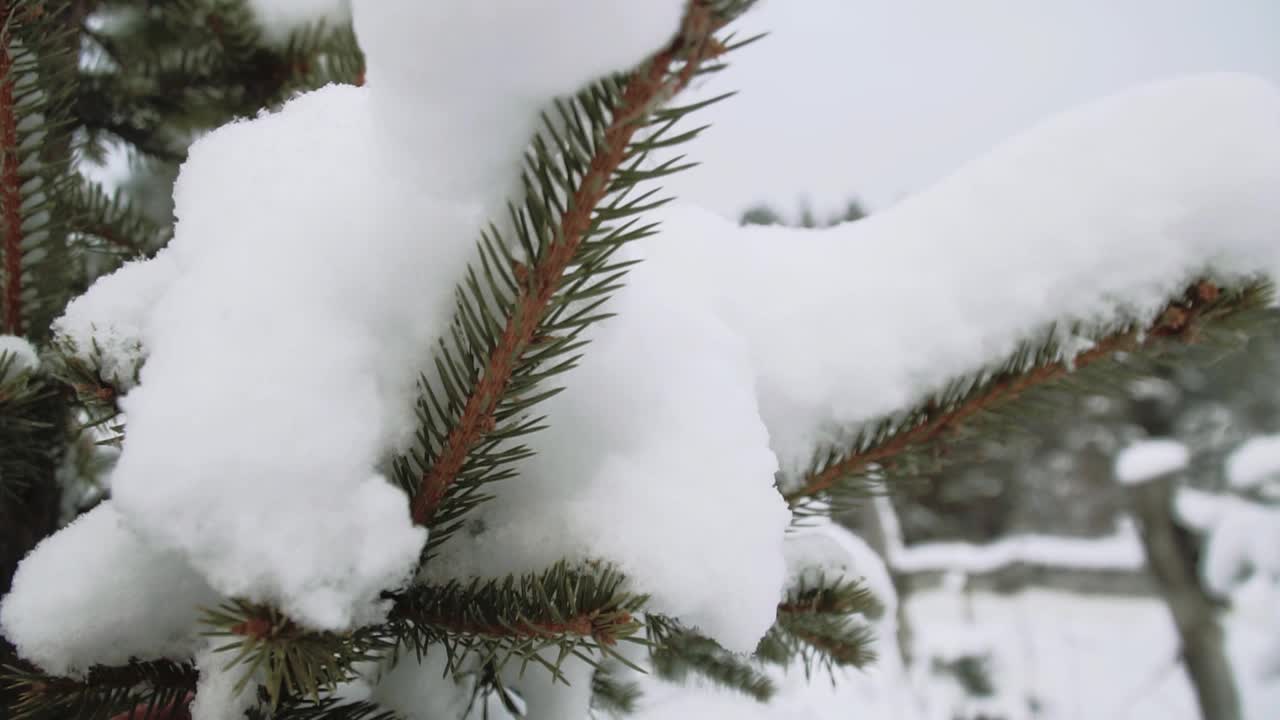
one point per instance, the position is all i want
(1171, 557)
(874, 520)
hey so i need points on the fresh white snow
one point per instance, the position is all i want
(1255, 463)
(313, 266)
(1119, 551)
(656, 460)
(1096, 217)
(1149, 460)
(97, 593)
(20, 355)
(105, 328)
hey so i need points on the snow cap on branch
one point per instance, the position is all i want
(655, 460)
(1150, 460)
(104, 328)
(1255, 463)
(96, 593)
(19, 355)
(1092, 221)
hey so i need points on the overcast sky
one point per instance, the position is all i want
(879, 98)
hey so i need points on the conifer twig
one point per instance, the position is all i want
(10, 184)
(647, 88)
(604, 628)
(174, 710)
(1179, 321)
(139, 690)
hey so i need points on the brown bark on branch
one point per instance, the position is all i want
(649, 87)
(10, 184)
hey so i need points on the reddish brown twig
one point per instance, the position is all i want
(605, 628)
(176, 710)
(10, 187)
(1177, 321)
(649, 87)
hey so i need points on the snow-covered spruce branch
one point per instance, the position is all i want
(682, 655)
(523, 324)
(492, 621)
(821, 622)
(325, 709)
(148, 687)
(827, 596)
(824, 623)
(571, 612)
(563, 608)
(961, 406)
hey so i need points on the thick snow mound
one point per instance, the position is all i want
(280, 362)
(1097, 217)
(516, 47)
(97, 594)
(656, 460)
(313, 265)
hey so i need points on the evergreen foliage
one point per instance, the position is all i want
(161, 73)
(1201, 326)
(611, 695)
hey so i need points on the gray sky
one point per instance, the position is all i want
(879, 98)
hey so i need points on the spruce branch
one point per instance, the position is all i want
(823, 622)
(28, 434)
(179, 709)
(571, 174)
(91, 388)
(290, 660)
(37, 81)
(830, 597)
(327, 709)
(182, 67)
(108, 223)
(539, 618)
(10, 182)
(566, 610)
(680, 653)
(139, 691)
(611, 695)
(827, 641)
(970, 401)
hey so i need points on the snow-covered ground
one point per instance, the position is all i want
(1052, 656)
(1057, 655)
